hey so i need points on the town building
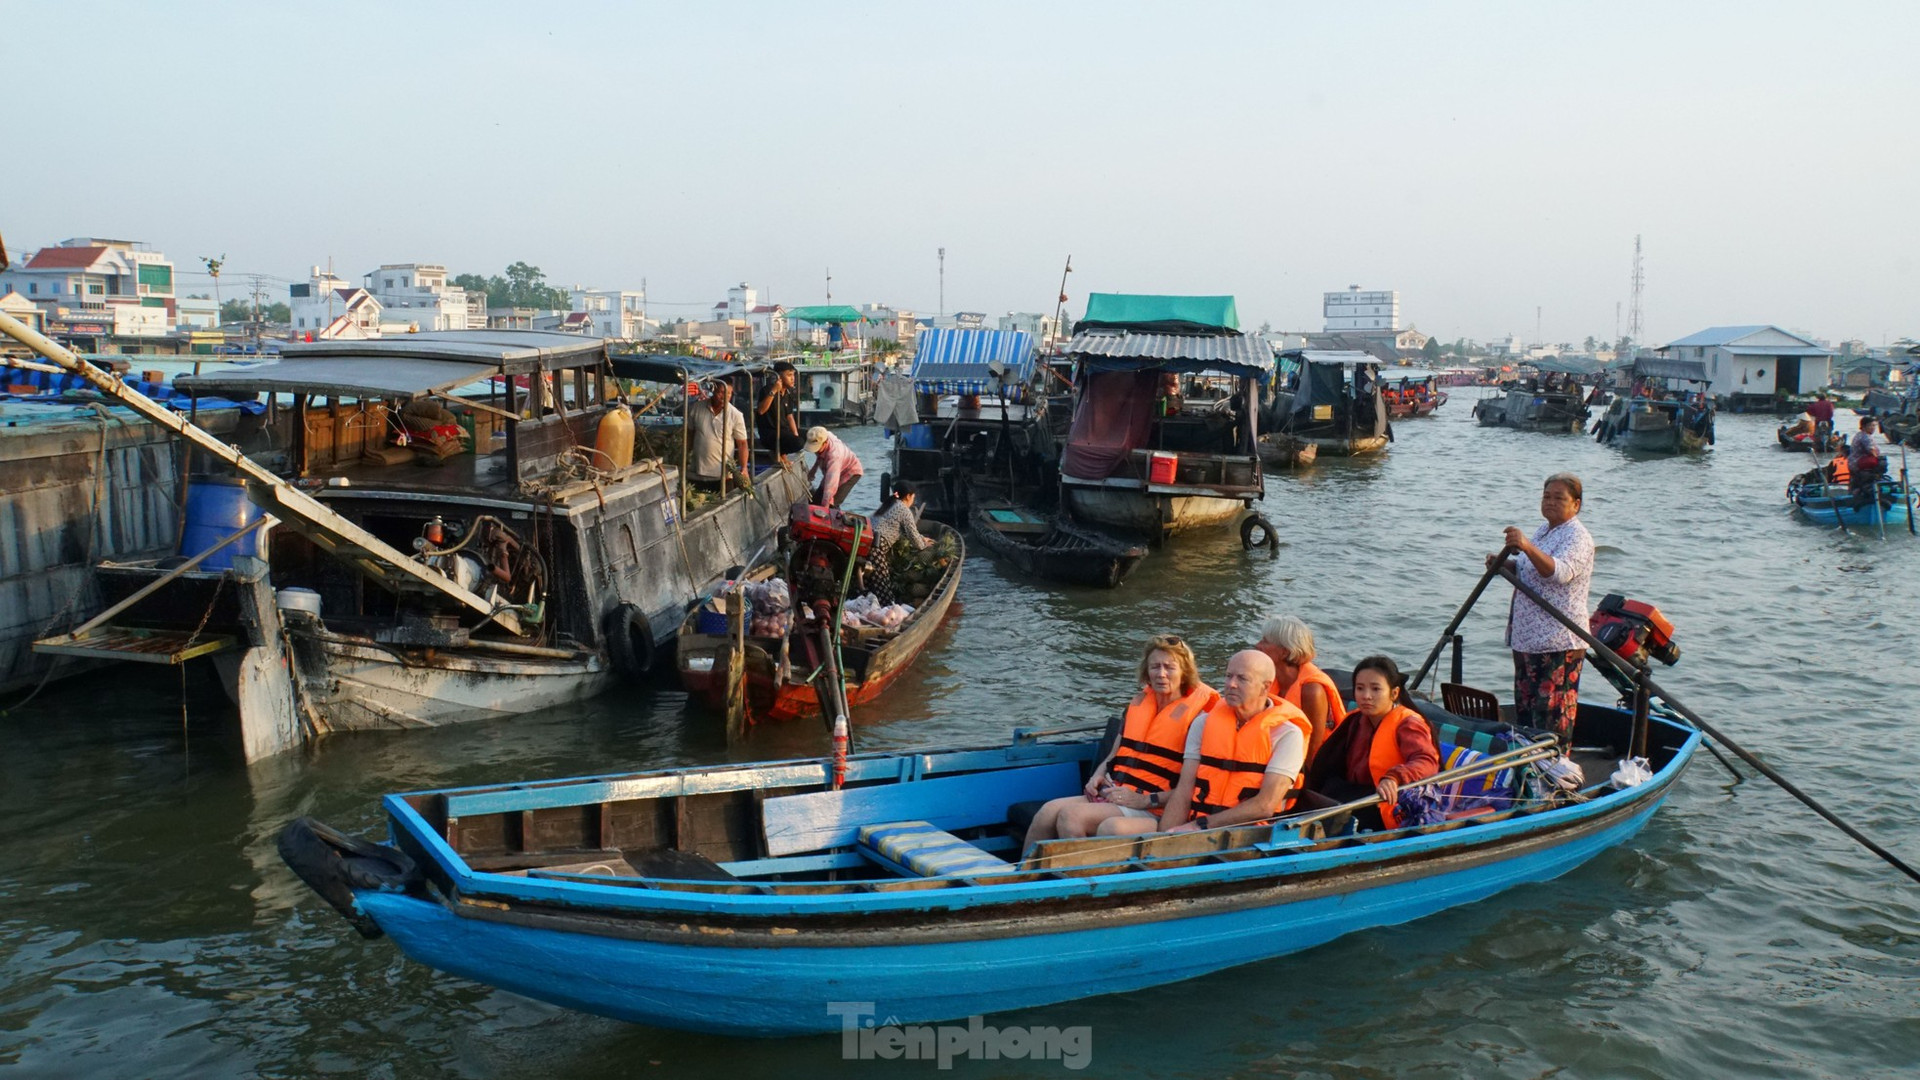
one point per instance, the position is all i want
(196, 313)
(116, 288)
(765, 323)
(418, 294)
(23, 309)
(326, 307)
(613, 313)
(1040, 326)
(1356, 312)
(887, 323)
(1755, 361)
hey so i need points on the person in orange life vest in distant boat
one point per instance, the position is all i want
(1289, 644)
(1240, 761)
(1144, 762)
(1380, 746)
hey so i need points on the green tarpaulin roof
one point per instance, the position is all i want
(1176, 314)
(825, 313)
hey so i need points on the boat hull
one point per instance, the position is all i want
(684, 973)
(1154, 515)
(346, 684)
(1056, 556)
(1834, 504)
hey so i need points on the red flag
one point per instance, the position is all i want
(1063, 298)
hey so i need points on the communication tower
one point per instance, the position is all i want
(1639, 285)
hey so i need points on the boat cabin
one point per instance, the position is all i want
(1333, 400)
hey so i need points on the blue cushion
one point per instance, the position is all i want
(916, 847)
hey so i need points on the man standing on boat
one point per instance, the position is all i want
(1241, 758)
(1863, 457)
(777, 413)
(718, 431)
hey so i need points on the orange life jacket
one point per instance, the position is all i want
(1336, 709)
(1152, 743)
(1841, 472)
(1385, 752)
(1234, 756)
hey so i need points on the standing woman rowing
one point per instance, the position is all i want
(1556, 562)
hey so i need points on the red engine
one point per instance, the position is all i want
(827, 523)
(1635, 630)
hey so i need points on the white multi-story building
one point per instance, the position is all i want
(116, 284)
(886, 323)
(325, 307)
(613, 313)
(766, 323)
(196, 313)
(418, 293)
(1357, 312)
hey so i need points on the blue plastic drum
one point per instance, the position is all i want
(216, 508)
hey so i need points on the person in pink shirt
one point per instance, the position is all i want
(835, 464)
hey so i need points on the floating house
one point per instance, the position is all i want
(1747, 365)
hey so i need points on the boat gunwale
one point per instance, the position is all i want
(411, 831)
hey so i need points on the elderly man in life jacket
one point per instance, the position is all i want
(1241, 760)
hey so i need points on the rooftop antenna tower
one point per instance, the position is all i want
(829, 284)
(1634, 322)
(943, 283)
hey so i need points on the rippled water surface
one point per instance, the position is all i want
(148, 929)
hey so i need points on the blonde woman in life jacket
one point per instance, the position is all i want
(1132, 781)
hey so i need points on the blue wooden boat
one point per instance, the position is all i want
(1889, 504)
(744, 899)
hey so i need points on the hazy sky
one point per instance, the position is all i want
(1480, 158)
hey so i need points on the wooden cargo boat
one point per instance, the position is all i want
(1333, 406)
(783, 670)
(1543, 403)
(506, 558)
(1045, 546)
(832, 395)
(1138, 459)
(1655, 415)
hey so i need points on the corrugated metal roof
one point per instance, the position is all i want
(1331, 356)
(1247, 355)
(1778, 350)
(1661, 367)
(965, 355)
(1726, 335)
(516, 350)
(341, 376)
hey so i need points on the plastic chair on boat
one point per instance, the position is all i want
(1469, 702)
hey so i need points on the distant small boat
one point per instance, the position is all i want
(1048, 547)
(1337, 406)
(1536, 405)
(1889, 502)
(1410, 397)
(1803, 441)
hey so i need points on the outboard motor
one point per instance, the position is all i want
(1635, 630)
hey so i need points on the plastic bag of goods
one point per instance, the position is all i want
(1632, 773)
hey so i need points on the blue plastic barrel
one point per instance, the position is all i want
(920, 437)
(216, 508)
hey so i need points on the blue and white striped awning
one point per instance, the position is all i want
(960, 361)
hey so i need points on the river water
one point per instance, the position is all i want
(147, 928)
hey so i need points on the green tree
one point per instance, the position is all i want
(277, 313)
(1624, 347)
(1431, 350)
(524, 285)
(236, 311)
(1591, 345)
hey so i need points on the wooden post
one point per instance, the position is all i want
(736, 663)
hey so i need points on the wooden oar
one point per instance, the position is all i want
(1538, 750)
(1906, 491)
(1621, 664)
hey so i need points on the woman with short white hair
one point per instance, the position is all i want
(1289, 644)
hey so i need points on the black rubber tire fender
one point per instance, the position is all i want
(1269, 536)
(630, 644)
(334, 865)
